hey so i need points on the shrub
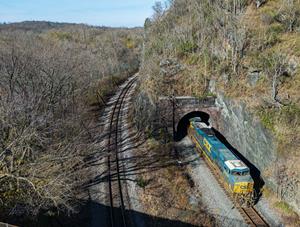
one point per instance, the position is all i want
(289, 15)
(61, 35)
(44, 131)
(283, 206)
(291, 114)
(129, 43)
(267, 117)
(192, 59)
(275, 28)
(141, 182)
(272, 35)
(268, 17)
(187, 47)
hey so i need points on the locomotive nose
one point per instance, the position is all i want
(243, 187)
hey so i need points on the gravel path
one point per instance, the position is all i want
(213, 196)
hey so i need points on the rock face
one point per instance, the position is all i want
(144, 112)
(253, 76)
(237, 128)
(254, 143)
(247, 136)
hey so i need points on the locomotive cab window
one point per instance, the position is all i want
(236, 173)
(226, 169)
(245, 173)
(240, 173)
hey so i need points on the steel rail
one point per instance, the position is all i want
(116, 113)
(251, 216)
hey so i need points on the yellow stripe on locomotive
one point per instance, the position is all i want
(206, 144)
(235, 173)
(243, 187)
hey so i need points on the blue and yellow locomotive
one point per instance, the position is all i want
(234, 173)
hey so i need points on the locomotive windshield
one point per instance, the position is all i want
(196, 119)
(240, 173)
(237, 167)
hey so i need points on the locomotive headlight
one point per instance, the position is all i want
(244, 187)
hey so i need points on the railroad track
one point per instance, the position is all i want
(249, 214)
(252, 217)
(116, 198)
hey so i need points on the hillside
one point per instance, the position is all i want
(246, 56)
(54, 79)
(61, 104)
(34, 26)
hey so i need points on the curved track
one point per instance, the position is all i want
(115, 190)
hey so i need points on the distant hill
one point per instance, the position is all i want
(40, 26)
(32, 25)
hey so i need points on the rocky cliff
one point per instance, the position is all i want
(246, 53)
(256, 145)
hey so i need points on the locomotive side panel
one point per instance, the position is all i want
(235, 174)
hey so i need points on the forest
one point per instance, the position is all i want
(52, 77)
(55, 80)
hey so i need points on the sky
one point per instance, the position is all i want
(114, 13)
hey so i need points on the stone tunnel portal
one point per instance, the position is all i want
(184, 123)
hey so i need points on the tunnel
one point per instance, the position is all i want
(183, 124)
(181, 132)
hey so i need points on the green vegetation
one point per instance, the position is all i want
(141, 182)
(283, 206)
(267, 117)
(248, 54)
(264, 40)
(187, 47)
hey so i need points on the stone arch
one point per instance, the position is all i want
(183, 123)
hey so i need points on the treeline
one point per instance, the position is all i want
(48, 81)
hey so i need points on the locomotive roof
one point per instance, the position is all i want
(231, 161)
(236, 165)
(201, 125)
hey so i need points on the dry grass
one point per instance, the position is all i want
(289, 216)
(168, 192)
(265, 35)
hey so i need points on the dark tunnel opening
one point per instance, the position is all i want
(183, 124)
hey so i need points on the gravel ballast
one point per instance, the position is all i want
(213, 196)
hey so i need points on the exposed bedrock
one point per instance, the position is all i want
(247, 135)
(237, 126)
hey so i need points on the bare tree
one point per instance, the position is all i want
(275, 65)
(47, 82)
(289, 14)
(158, 10)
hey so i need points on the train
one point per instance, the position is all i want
(233, 173)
